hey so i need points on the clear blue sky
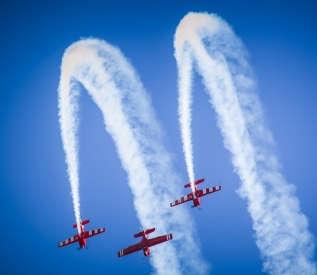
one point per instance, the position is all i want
(35, 201)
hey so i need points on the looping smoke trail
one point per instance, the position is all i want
(128, 116)
(281, 229)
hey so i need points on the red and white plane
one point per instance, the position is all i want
(197, 194)
(145, 243)
(82, 235)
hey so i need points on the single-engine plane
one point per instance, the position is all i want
(82, 235)
(196, 194)
(145, 243)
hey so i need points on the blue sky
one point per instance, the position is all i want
(35, 201)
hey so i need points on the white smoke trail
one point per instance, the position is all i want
(282, 233)
(184, 103)
(128, 116)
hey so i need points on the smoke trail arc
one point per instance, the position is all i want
(130, 120)
(206, 43)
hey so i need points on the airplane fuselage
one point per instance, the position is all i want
(146, 250)
(82, 241)
(196, 199)
(196, 202)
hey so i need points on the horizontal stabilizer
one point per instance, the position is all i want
(82, 223)
(144, 232)
(195, 183)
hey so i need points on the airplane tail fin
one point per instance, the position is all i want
(196, 182)
(144, 232)
(82, 223)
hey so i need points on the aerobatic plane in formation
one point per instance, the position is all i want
(82, 235)
(145, 243)
(197, 194)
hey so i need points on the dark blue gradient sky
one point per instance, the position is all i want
(35, 202)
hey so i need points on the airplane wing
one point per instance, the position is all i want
(130, 249)
(209, 190)
(69, 241)
(91, 233)
(186, 198)
(159, 239)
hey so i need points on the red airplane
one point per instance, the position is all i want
(82, 236)
(197, 194)
(145, 243)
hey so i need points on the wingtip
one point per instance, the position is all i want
(120, 253)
